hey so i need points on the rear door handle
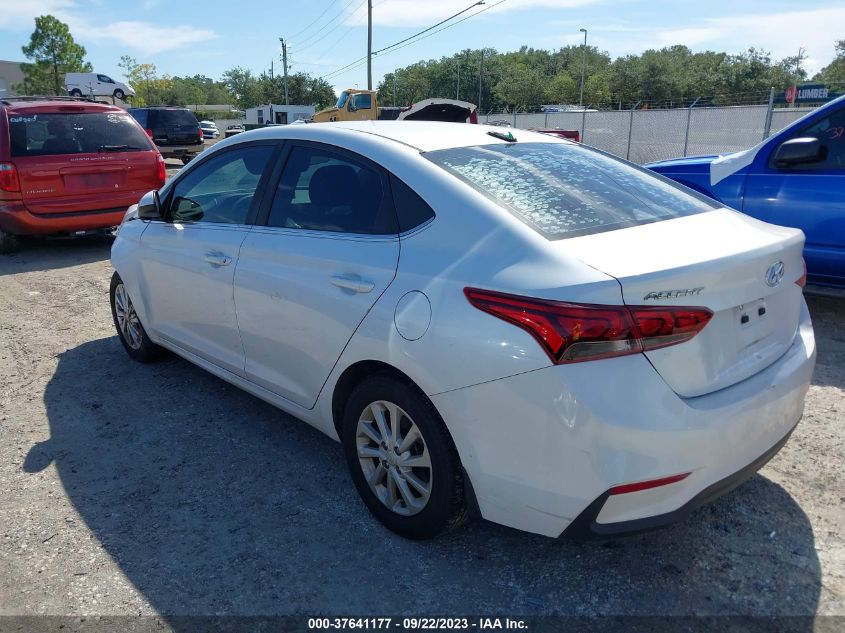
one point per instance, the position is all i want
(355, 284)
(218, 259)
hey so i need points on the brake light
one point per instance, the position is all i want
(9, 180)
(200, 132)
(161, 169)
(149, 132)
(647, 485)
(802, 280)
(574, 332)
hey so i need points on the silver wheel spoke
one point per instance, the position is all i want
(370, 452)
(420, 486)
(410, 437)
(370, 432)
(127, 321)
(416, 461)
(401, 484)
(397, 467)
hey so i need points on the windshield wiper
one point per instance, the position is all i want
(118, 148)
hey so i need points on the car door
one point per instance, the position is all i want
(305, 280)
(105, 85)
(809, 196)
(188, 260)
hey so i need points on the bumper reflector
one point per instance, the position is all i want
(645, 485)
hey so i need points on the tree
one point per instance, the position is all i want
(835, 71)
(53, 52)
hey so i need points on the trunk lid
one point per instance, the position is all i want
(720, 260)
(85, 182)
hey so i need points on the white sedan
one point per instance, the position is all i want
(492, 322)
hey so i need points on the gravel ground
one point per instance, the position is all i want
(143, 489)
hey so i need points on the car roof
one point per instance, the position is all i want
(57, 105)
(425, 136)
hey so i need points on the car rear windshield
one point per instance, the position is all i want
(564, 190)
(174, 117)
(75, 133)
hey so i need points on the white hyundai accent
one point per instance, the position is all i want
(492, 322)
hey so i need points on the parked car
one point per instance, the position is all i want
(568, 343)
(572, 135)
(231, 130)
(69, 166)
(175, 131)
(209, 129)
(795, 177)
(95, 84)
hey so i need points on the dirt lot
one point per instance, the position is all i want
(136, 489)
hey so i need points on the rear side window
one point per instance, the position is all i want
(563, 190)
(322, 190)
(411, 210)
(75, 133)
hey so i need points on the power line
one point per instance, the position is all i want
(315, 20)
(406, 41)
(310, 40)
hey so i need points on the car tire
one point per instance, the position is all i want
(397, 497)
(76, 92)
(119, 94)
(130, 331)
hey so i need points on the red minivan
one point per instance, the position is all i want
(70, 166)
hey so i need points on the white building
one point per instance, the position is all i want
(282, 114)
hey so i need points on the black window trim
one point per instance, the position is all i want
(275, 177)
(260, 190)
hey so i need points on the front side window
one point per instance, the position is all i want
(321, 190)
(831, 134)
(222, 189)
(562, 190)
(85, 133)
(104, 79)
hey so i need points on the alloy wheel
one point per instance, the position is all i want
(394, 458)
(127, 318)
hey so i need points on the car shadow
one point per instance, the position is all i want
(213, 502)
(51, 253)
(828, 314)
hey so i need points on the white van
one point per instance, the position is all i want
(85, 84)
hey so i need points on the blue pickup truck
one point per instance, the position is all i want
(795, 177)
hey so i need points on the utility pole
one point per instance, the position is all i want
(369, 44)
(285, 66)
(458, 87)
(271, 69)
(583, 68)
(480, 69)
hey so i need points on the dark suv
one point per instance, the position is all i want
(175, 131)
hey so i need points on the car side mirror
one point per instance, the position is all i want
(797, 151)
(149, 207)
(351, 107)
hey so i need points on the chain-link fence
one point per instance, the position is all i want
(643, 136)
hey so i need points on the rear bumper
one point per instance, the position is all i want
(15, 218)
(543, 448)
(586, 525)
(180, 151)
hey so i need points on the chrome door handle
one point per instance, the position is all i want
(355, 284)
(218, 259)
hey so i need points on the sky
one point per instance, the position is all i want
(188, 37)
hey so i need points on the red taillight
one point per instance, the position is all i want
(149, 132)
(9, 178)
(574, 332)
(200, 132)
(802, 280)
(646, 485)
(161, 169)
